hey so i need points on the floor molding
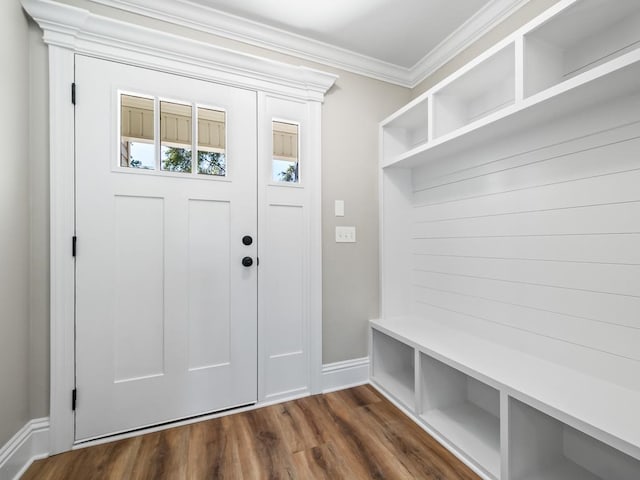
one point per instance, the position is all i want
(341, 375)
(29, 444)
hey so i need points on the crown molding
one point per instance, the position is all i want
(482, 22)
(199, 17)
(84, 32)
(209, 20)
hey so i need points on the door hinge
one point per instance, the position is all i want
(74, 399)
(74, 242)
(73, 93)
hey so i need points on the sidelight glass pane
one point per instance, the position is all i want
(137, 149)
(175, 137)
(285, 163)
(211, 142)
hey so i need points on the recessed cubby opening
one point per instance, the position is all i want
(544, 448)
(486, 88)
(465, 411)
(406, 131)
(393, 367)
(585, 35)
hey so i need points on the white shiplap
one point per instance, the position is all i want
(533, 242)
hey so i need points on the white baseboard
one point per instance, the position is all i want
(29, 444)
(340, 375)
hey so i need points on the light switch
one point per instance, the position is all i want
(339, 208)
(345, 234)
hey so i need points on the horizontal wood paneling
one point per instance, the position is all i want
(590, 306)
(536, 243)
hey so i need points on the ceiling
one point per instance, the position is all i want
(399, 41)
(400, 32)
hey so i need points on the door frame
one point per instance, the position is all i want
(68, 31)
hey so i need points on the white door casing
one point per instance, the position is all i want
(68, 30)
(166, 314)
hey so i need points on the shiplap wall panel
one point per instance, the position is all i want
(537, 245)
(605, 337)
(597, 278)
(620, 310)
(615, 249)
(585, 151)
(613, 187)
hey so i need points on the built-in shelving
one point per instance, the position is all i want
(587, 53)
(486, 88)
(585, 35)
(507, 343)
(393, 367)
(544, 448)
(407, 129)
(463, 410)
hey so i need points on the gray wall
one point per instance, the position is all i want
(14, 222)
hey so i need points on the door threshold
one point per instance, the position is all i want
(164, 426)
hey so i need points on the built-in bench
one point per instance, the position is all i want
(507, 414)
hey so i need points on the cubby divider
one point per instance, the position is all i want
(486, 88)
(393, 367)
(407, 129)
(462, 410)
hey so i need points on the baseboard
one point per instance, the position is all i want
(340, 375)
(29, 444)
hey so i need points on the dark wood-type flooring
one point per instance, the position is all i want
(351, 434)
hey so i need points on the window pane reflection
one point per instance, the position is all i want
(211, 142)
(285, 162)
(175, 137)
(136, 132)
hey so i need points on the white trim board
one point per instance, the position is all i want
(216, 22)
(346, 374)
(29, 444)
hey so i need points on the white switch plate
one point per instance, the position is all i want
(339, 208)
(345, 234)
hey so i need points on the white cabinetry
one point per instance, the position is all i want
(509, 205)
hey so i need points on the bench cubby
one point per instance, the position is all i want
(463, 410)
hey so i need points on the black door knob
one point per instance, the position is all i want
(247, 240)
(247, 261)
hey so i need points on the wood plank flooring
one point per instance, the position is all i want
(350, 434)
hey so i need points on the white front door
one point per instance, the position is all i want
(166, 315)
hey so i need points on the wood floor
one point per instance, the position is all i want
(351, 434)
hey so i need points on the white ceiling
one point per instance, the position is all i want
(400, 32)
(398, 41)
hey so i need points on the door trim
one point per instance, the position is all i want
(69, 30)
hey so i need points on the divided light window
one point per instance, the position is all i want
(178, 139)
(285, 165)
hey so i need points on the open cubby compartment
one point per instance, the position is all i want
(544, 448)
(484, 89)
(406, 129)
(585, 35)
(393, 367)
(463, 410)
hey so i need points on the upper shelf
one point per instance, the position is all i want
(577, 54)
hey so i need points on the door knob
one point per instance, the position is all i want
(247, 240)
(247, 261)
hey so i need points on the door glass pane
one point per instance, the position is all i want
(175, 137)
(211, 142)
(285, 161)
(137, 149)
